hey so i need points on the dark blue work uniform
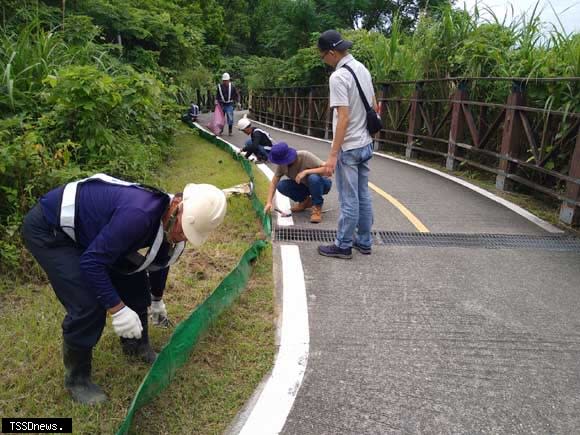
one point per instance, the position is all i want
(111, 221)
(259, 143)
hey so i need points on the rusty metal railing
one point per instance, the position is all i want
(509, 130)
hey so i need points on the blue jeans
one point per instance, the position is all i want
(229, 113)
(260, 152)
(356, 208)
(317, 187)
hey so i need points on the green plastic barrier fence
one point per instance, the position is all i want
(176, 352)
(258, 206)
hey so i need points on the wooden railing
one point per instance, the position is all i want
(518, 137)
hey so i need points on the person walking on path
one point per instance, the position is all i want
(227, 95)
(259, 143)
(351, 147)
(86, 236)
(306, 183)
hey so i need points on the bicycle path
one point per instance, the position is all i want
(417, 339)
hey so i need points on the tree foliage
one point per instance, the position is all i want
(93, 85)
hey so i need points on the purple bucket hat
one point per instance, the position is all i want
(282, 154)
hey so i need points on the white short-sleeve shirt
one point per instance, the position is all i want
(344, 92)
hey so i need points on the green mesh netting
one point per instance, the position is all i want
(187, 333)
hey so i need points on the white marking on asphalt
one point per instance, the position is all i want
(271, 410)
(268, 414)
(508, 204)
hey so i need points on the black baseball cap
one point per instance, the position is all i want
(331, 40)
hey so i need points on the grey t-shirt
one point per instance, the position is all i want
(304, 160)
(343, 92)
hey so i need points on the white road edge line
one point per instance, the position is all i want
(270, 410)
(508, 204)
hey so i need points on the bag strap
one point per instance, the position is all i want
(360, 91)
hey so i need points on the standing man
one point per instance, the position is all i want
(351, 147)
(227, 94)
(86, 236)
(306, 183)
(259, 143)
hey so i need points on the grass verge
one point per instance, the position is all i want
(226, 365)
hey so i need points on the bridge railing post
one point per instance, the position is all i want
(512, 136)
(209, 101)
(327, 120)
(384, 93)
(277, 109)
(457, 125)
(413, 120)
(199, 102)
(284, 100)
(274, 108)
(268, 103)
(570, 209)
(295, 112)
(310, 110)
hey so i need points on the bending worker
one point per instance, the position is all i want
(259, 143)
(305, 185)
(227, 95)
(86, 236)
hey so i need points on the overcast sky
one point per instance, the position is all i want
(570, 19)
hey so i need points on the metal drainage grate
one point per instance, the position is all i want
(297, 234)
(486, 241)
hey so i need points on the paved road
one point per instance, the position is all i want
(438, 340)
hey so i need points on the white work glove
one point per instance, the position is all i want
(158, 312)
(127, 324)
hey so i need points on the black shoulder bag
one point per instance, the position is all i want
(374, 122)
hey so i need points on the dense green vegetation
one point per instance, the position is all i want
(228, 362)
(98, 85)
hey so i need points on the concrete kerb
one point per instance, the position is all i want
(504, 202)
(266, 411)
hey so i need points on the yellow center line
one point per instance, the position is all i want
(406, 212)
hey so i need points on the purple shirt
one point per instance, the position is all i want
(111, 221)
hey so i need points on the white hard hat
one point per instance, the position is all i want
(204, 209)
(244, 123)
(225, 76)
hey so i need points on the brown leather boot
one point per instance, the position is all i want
(316, 216)
(301, 206)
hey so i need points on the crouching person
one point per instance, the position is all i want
(306, 183)
(259, 143)
(86, 236)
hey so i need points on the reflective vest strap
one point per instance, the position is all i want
(67, 209)
(69, 196)
(177, 251)
(108, 179)
(152, 252)
(229, 100)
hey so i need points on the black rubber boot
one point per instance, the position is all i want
(77, 364)
(229, 130)
(140, 348)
